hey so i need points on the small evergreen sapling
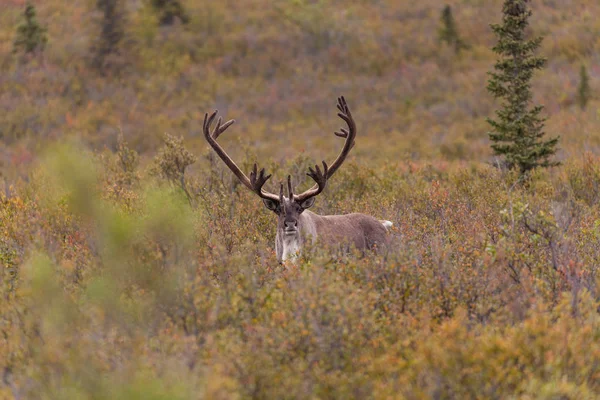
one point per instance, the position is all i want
(169, 11)
(449, 33)
(517, 132)
(112, 32)
(31, 36)
(583, 92)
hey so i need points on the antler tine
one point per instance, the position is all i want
(256, 180)
(320, 177)
(348, 134)
(344, 133)
(224, 127)
(221, 128)
(208, 121)
(281, 192)
(290, 189)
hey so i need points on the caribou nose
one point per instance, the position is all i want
(290, 225)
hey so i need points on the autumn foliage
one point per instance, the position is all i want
(133, 264)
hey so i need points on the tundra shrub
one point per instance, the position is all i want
(31, 36)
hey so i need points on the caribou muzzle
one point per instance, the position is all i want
(291, 228)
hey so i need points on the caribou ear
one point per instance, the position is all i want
(308, 203)
(271, 205)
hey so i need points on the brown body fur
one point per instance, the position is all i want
(361, 231)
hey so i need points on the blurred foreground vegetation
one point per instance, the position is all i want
(123, 277)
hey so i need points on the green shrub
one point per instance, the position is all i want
(169, 10)
(449, 32)
(583, 91)
(107, 47)
(31, 36)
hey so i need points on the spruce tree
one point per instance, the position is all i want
(169, 10)
(31, 36)
(448, 32)
(112, 32)
(583, 92)
(517, 132)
